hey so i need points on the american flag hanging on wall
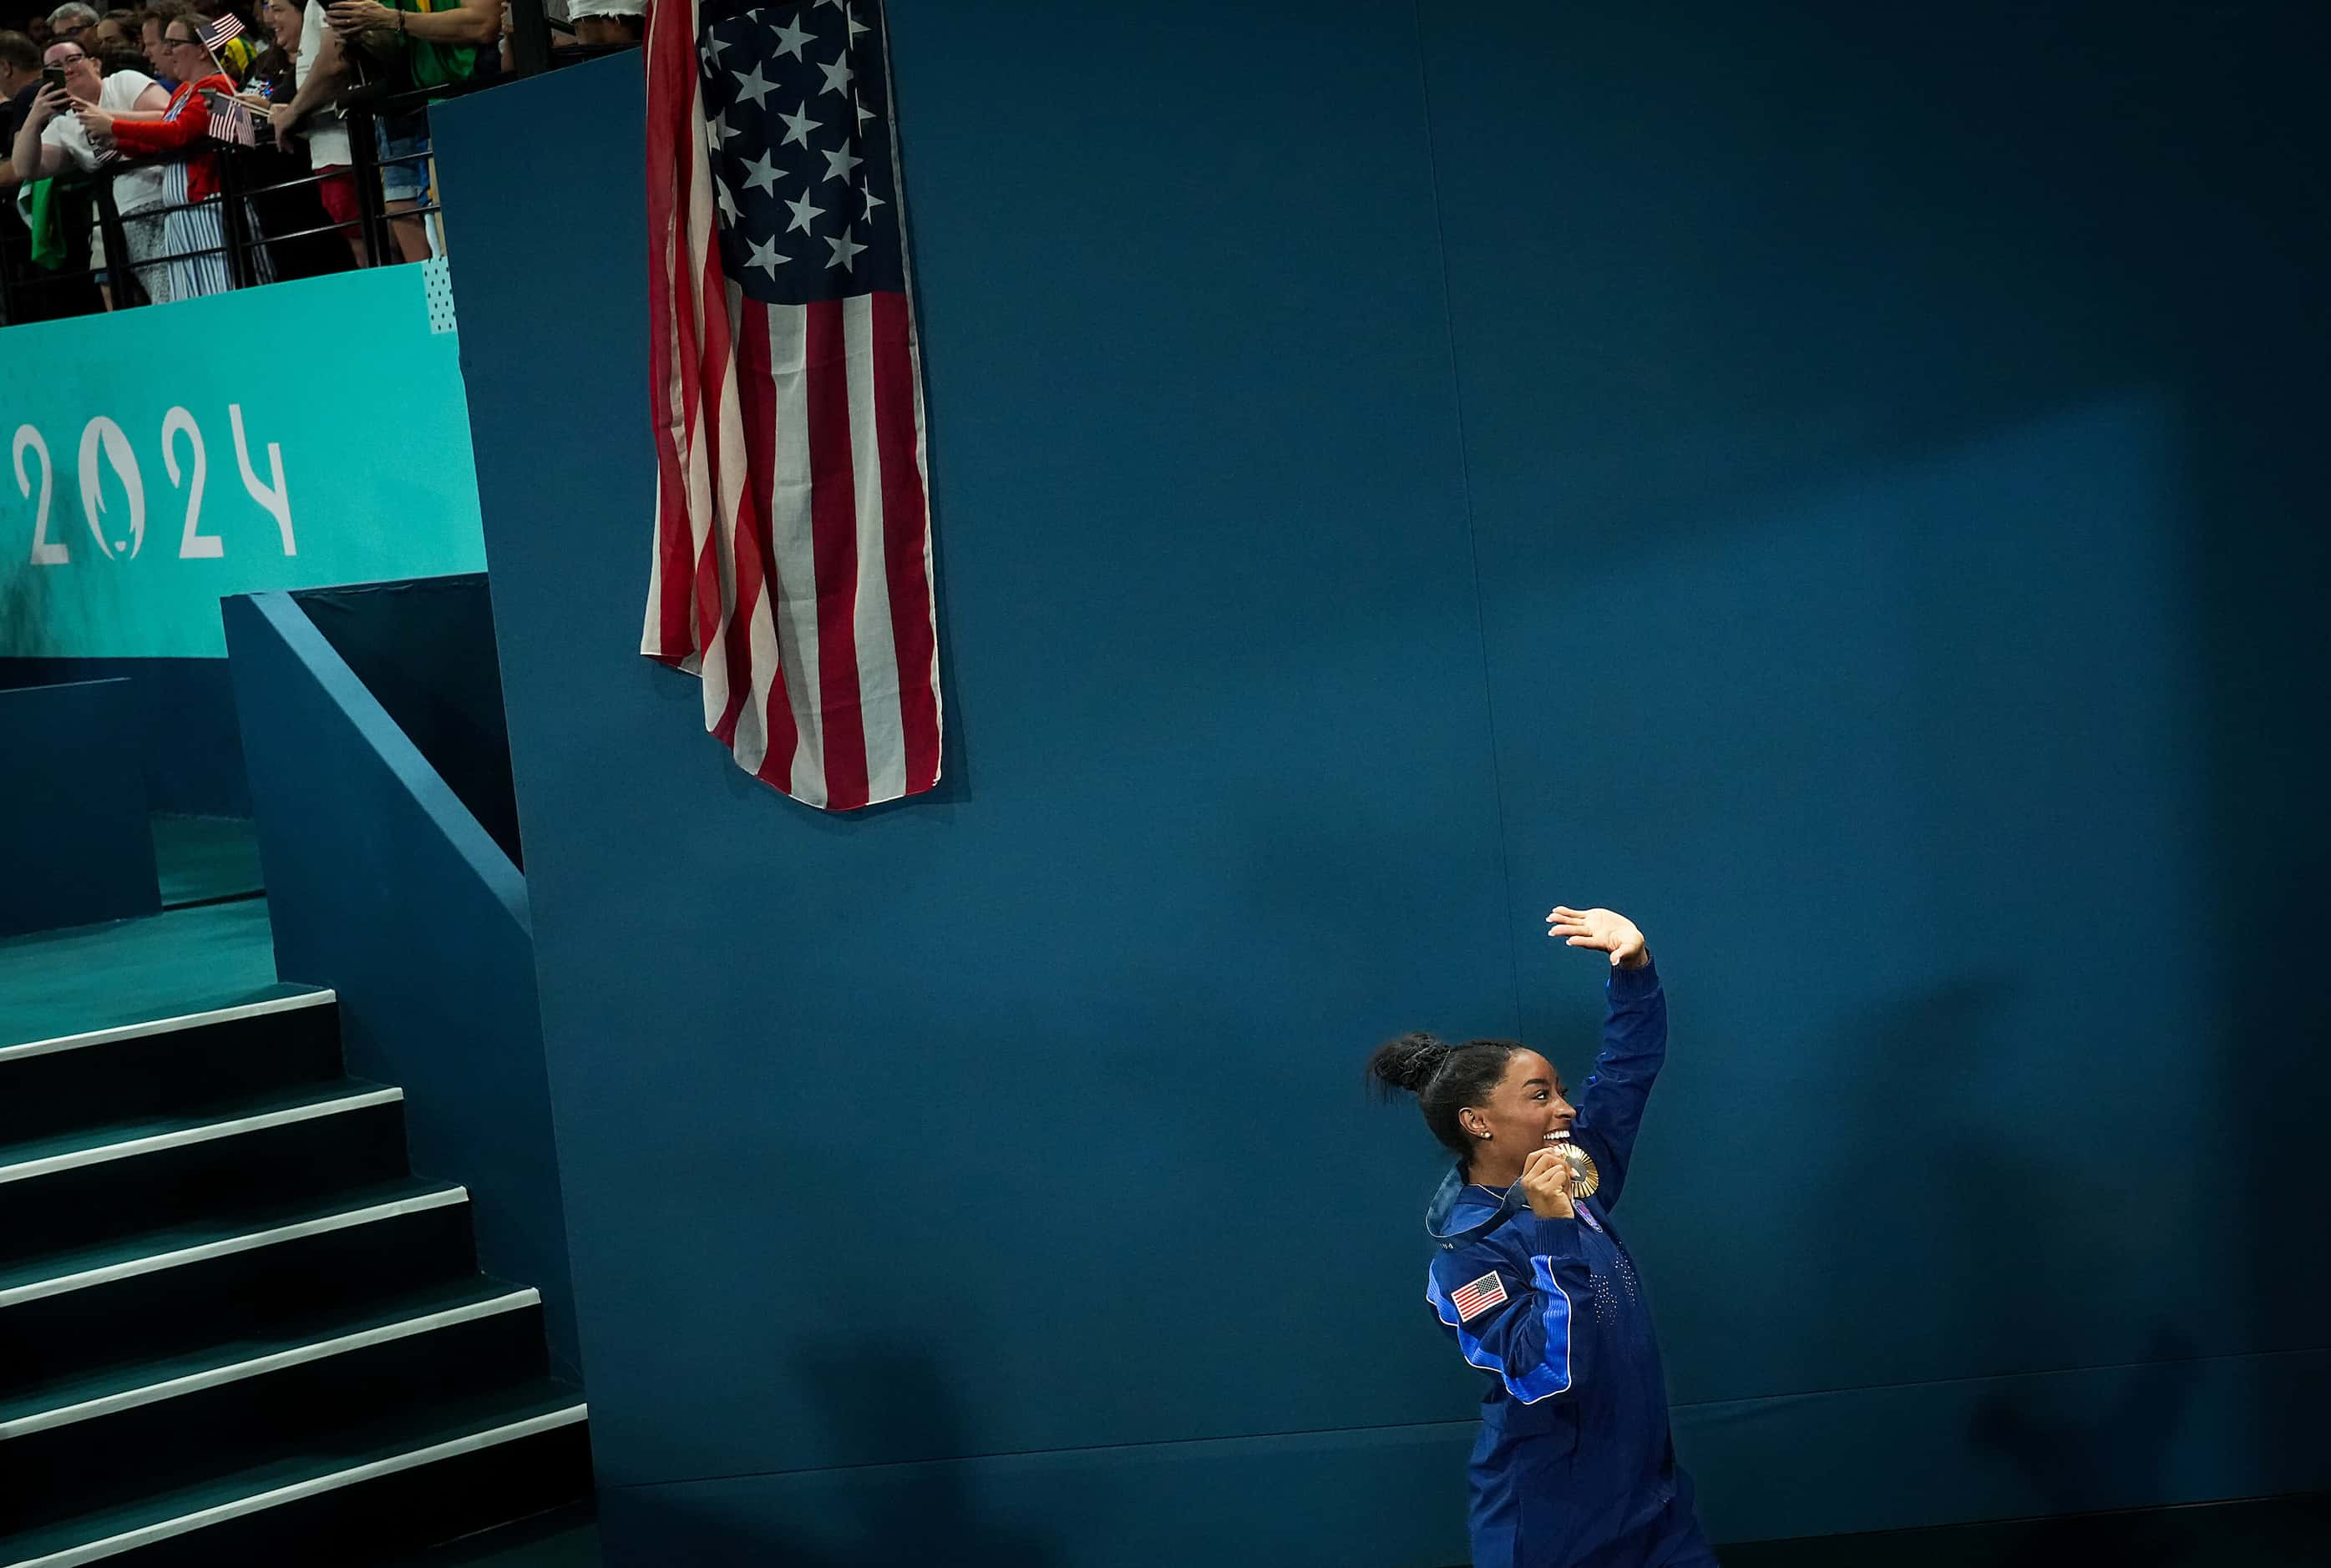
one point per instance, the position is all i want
(793, 553)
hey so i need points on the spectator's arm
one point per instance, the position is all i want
(475, 23)
(31, 158)
(319, 86)
(137, 138)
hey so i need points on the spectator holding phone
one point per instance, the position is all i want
(57, 137)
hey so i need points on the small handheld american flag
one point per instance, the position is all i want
(231, 120)
(222, 31)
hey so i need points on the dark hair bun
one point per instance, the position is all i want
(1407, 1063)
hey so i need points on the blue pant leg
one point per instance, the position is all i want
(1493, 1516)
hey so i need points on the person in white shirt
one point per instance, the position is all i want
(52, 141)
(320, 73)
(608, 24)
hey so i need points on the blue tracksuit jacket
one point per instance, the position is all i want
(1573, 1466)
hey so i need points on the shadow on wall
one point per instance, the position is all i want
(2080, 1465)
(1983, 1218)
(2259, 557)
(865, 1391)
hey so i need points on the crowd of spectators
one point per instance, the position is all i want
(131, 100)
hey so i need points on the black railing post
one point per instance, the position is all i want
(128, 287)
(372, 202)
(529, 38)
(234, 227)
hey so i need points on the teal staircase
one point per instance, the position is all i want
(235, 1328)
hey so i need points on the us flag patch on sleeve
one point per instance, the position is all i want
(1472, 1300)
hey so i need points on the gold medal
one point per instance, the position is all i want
(1583, 1177)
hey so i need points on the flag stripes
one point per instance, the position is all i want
(792, 564)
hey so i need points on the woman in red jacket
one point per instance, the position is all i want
(194, 234)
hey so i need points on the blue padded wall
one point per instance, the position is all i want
(183, 714)
(424, 648)
(1396, 467)
(1900, 564)
(940, 1132)
(381, 886)
(80, 848)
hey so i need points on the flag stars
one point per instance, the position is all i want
(845, 251)
(872, 201)
(856, 26)
(803, 213)
(864, 114)
(838, 75)
(751, 84)
(716, 130)
(764, 256)
(840, 162)
(761, 175)
(723, 200)
(798, 126)
(791, 37)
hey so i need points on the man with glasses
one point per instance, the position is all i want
(68, 21)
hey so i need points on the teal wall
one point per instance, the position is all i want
(165, 458)
(1835, 487)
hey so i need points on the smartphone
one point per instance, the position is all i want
(55, 75)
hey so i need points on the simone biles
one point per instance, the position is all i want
(1573, 1468)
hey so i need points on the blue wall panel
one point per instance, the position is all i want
(424, 648)
(381, 887)
(1843, 501)
(1886, 593)
(1219, 781)
(78, 846)
(184, 711)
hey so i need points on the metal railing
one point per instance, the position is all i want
(243, 244)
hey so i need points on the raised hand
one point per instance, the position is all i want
(1604, 929)
(350, 16)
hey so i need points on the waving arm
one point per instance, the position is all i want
(1634, 1037)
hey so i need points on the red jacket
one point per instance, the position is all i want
(183, 123)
